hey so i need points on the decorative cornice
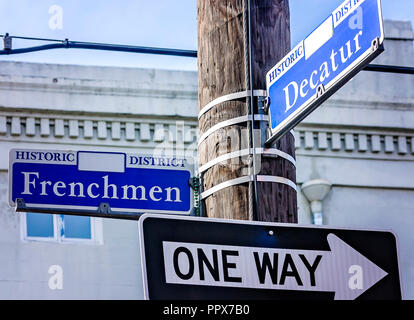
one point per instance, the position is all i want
(136, 131)
(91, 130)
(354, 143)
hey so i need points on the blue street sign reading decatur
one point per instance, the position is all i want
(333, 53)
(79, 182)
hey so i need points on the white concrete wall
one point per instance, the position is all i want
(103, 90)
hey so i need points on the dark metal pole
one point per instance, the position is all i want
(65, 44)
(389, 69)
(103, 46)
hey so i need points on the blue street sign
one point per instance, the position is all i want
(80, 182)
(333, 53)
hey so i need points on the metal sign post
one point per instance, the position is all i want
(350, 38)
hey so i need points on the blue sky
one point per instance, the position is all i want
(161, 23)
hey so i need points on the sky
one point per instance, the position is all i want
(161, 23)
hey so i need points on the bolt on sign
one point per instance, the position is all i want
(82, 182)
(342, 45)
(206, 258)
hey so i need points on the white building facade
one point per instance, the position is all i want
(358, 149)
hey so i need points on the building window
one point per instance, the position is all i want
(76, 227)
(39, 225)
(61, 228)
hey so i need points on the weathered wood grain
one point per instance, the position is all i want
(220, 72)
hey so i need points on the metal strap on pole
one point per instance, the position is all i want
(231, 122)
(245, 179)
(230, 97)
(243, 153)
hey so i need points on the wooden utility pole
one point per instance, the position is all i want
(225, 98)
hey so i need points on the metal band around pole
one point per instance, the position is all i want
(244, 179)
(224, 157)
(231, 122)
(229, 97)
(277, 152)
(277, 180)
(245, 152)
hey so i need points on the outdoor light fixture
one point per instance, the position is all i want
(315, 191)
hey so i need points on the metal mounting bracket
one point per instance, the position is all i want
(263, 104)
(20, 204)
(104, 208)
(375, 44)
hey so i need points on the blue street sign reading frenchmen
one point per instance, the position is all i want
(79, 182)
(333, 53)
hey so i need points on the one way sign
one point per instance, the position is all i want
(197, 258)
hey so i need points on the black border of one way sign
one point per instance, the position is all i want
(192, 258)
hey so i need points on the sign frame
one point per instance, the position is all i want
(323, 92)
(104, 209)
(267, 230)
